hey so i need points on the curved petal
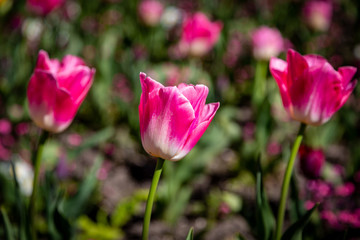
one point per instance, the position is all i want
(196, 95)
(64, 110)
(315, 61)
(326, 97)
(77, 82)
(165, 120)
(206, 117)
(347, 74)
(45, 63)
(278, 69)
(70, 61)
(41, 94)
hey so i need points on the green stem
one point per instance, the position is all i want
(36, 160)
(150, 200)
(286, 182)
(259, 89)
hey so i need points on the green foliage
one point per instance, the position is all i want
(296, 228)
(190, 235)
(265, 217)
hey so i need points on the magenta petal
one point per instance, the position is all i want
(166, 119)
(77, 82)
(315, 61)
(196, 95)
(347, 74)
(296, 65)
(278, 69)
(41, 94)
(205, 119)
(148, 84)
(64, 110)
(45, 63)
(69, 62)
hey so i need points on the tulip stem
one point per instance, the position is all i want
(36, 160)
(151, 196)
(259, 89)
(286, 182)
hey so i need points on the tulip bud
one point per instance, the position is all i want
(311, 89)
(318, 14)
(199, 35)
(267, 43)
(172, 119)
(150, 12)
(56, 91)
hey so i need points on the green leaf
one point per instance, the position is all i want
(265, 217)
(190, 235)
(296, 228)
(9, 234)
(73, 207)
(24, 230)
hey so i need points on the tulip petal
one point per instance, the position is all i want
(148, 84)
(206, 117)
(347, 74)
(278, 69)
(196, 95)
(69, 62)
(45, 63)
(315, 61)
(165, 120)
(64, 110)
(77, 82)
(41, 94)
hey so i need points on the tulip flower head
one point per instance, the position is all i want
(56, 90)
(311, 90)
(318, 14)
(199, 35)
(172, 119)
(44, 7)
(150, 12)
(267, 43)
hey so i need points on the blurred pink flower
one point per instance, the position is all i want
(311, 161)
(22, 128)
(56, 90)
(331, 218)
(320, 189)
(273, 148)
(311, 90)
(5, 126)
(150, 12)
(345, 190)
(267, 43)
(172, 119)
(43, 7)
(199, 34)
(74, 139)
(347, 218)
(318, 14)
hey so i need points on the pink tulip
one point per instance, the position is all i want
(311, 90)
(150, 12)
(44, 7)
(199, 35)
(318, 14)
(267, 43)
(56, 90)
(172, 119)
(311, 161)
